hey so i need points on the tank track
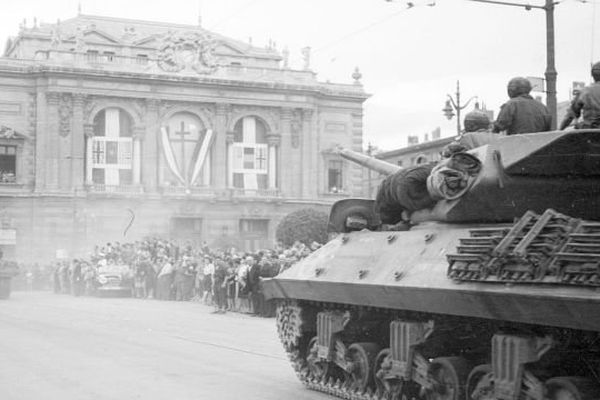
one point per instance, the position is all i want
(299, 321)
(289, 328)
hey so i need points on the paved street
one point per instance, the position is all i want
(61, 347)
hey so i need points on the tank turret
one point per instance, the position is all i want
(517, 173)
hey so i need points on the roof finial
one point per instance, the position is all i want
(79, 8)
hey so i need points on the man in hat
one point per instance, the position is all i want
(522, 113)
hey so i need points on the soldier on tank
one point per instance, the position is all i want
(586, 104)
(522, 113)
(477, 133)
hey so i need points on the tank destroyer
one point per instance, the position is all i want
(491, 294)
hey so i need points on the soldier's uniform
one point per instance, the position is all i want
(586, 104)
(522, 113)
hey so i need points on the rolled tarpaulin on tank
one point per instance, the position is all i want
(453, 177)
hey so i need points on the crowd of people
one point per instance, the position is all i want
(164, 270)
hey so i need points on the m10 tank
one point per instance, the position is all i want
(493, 295)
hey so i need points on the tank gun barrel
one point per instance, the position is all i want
(371, 163)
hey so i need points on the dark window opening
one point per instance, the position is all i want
(254, 227)
(109, 56)
(334, 176)
(142, 59)
(8, 164)
(92, 55)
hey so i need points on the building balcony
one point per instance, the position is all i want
(115, 189)
(255, 193)
(194, 191)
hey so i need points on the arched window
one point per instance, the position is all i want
(421, 159)
(182, 137)
(250, 155)
(111, 157)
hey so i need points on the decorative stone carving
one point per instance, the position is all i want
(306, 58)
(274, 139)
(139, 132)
(79, 39)
(139, 106)
(187, 51)
(88, 130)
(52, 98)
(79, 99)
(88, 108)
(296, 128)
(152, 105)
(65, 113)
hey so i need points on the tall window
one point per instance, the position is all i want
(334, 176)
(250, 155)
(112, 148)
(8, 164)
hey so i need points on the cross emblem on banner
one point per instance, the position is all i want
(260, 159)
(98, 153)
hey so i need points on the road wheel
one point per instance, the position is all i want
(480, 385)
(571, 388)
(450, 375)
(317, 368)
(361, 357)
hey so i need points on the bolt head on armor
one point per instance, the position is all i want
(518, 86)
(476, 120)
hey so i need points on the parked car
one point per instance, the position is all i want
(114, 279)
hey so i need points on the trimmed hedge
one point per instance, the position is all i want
(305, 225)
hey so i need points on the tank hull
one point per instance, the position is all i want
(410, 273)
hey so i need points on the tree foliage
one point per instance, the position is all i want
(305, 225)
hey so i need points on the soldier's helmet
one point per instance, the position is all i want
(476, 120)
(596, 71)
(518, 86)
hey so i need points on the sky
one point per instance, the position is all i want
(410, 58)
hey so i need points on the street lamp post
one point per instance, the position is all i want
(453, 104)
(550, 73)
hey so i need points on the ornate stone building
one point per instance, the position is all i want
(114, 129)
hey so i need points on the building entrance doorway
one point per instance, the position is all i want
(186, 228)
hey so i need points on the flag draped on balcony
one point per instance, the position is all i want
(250, 152)
(185, 144)
(112, 148)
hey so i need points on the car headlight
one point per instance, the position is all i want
(102, 279)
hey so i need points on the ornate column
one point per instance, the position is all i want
(41, 140)
(221, 153)
(78, 146)
(309, 160)
(51, 133)
(88, 132)
(138, 137)
(273, 141)
(287, 183)
(230, 136)
(151, 155)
